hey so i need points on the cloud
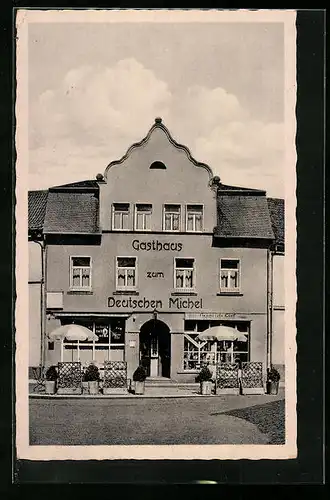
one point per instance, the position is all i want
(246, 153)
(221, 133)
(96, 104)
(97, 112)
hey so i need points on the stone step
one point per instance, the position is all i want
(163, 382)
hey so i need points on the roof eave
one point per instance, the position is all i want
(271, 238)
(73, 233)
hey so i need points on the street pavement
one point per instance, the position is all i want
(158, 421)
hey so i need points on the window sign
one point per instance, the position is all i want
(118, 331)
(102, 331)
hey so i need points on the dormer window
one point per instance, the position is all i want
(120, 216)
(172, 218)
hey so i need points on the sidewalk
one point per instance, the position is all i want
(173, 391)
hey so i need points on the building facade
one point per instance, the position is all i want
(148, 255)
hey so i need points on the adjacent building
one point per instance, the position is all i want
(151, 253)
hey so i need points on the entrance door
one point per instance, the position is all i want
(155, 348)
(154, 355)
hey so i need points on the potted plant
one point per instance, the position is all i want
(139, 377)
(273, 379)
(92, 376)
(50, 382)
(205, 379)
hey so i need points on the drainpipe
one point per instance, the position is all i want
(269, 305)
(42, 302)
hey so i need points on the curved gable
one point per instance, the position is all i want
(158, 126)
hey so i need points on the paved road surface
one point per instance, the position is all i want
(143, 421)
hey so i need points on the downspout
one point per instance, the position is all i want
(42, 302)
(269, 306)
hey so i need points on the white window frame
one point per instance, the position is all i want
(125, 287)
(80, 287)
(238, 270)
(185, 289)
(122, 212)
(172, 213)
(136, 228)
(92, 344)
(194, 230)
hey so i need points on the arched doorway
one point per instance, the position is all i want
(155, 348)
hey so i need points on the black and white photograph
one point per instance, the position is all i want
(156, 234)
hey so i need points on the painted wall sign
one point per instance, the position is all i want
(155, 274)
(156, 246)
(215, 315)
(177, 303)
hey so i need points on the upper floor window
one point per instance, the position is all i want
(81, 273)
(172, 218)
(120, 216)
(184, 274)
(143, 217)
(126, 273)
(229, 275)
(194, 218)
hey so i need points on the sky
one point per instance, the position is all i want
(96, 88)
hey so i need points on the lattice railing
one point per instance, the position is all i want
(227, 375)
(115, 374)
(252, 376)
(69, 374)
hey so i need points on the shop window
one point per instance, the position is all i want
(184, 274)
(126, 273)
(229, 275)
(80, 273)
(194, 218)
(120, 216)
(197, 352)
(172, 218)
(109, 347)
(142, 217)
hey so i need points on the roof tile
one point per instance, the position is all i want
(277, 216)
(243, 216)
(70, 212)
(37, 201)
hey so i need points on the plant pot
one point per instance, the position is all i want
(139, 387)
(272, 388)
(85, 388)
(93, 387)
(206, 388)
(50, 386)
